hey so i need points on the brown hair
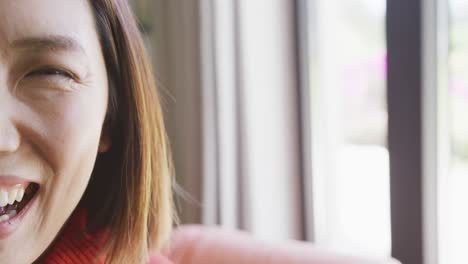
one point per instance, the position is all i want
(130, 188)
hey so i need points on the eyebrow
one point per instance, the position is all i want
(49, 43)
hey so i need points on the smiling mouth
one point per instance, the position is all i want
(16, 202)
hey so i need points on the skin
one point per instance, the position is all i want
(50, 121)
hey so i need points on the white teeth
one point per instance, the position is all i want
(3, 199)
(19, 195)
(11, 214)
(12, 196)
(4, 218)
(8, 216)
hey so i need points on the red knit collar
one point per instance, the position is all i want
(74, 245)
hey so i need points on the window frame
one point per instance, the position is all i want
(404, 93)
(416, 73)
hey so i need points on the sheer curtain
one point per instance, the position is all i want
(238, 96)
(233, 112)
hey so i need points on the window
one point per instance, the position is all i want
(348, 118)
(457, 180)
(384, 97)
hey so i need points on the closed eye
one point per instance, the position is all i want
(48, 71)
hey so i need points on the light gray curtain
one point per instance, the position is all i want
(233, 112)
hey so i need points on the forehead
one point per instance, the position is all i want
(41, 18)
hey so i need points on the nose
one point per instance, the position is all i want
(9, 135)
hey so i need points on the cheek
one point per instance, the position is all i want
(68, 127)
(63, 131)
(71, 125)
(78, 130)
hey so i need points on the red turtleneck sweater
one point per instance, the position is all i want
(75, 246)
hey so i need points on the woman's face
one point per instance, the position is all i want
(53, 101)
